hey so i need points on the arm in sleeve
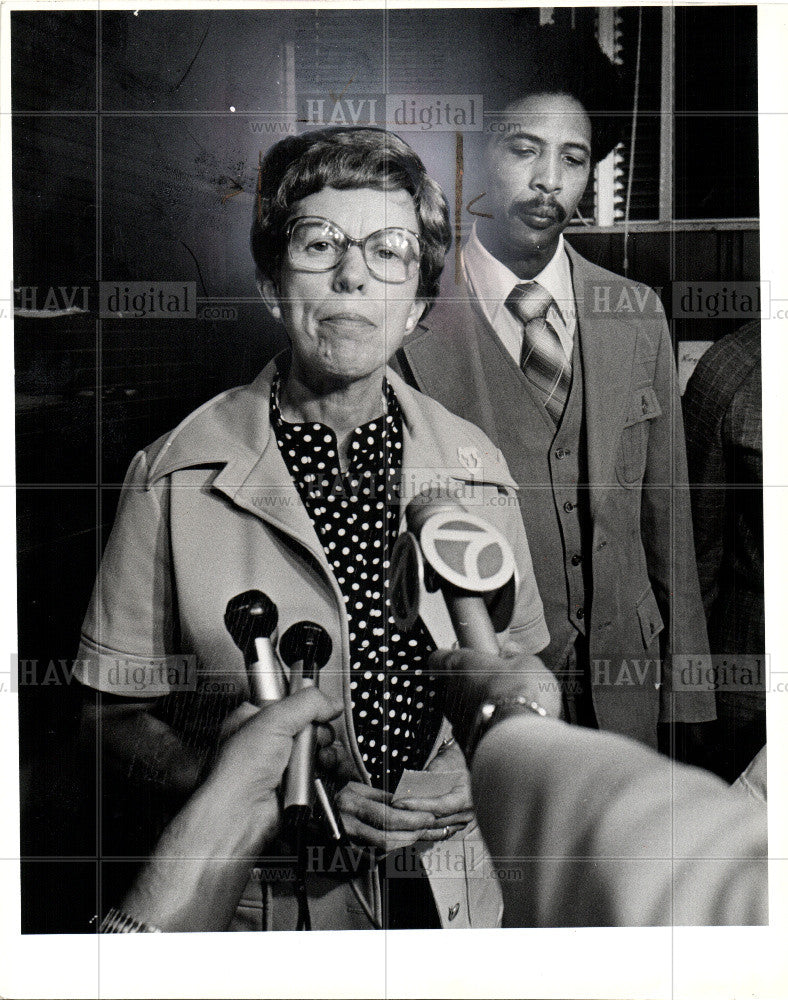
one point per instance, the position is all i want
(666, 531)
(593, 829)
(127, 645)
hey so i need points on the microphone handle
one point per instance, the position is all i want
(471, 620)
(266, 678)
(300, 771)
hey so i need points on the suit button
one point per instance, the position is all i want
(580, 613)
(576, 559)
(559, 452)
(569, 506)
(453, 911)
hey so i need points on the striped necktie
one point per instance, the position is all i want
(542, 359)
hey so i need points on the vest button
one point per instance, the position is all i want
(576, 559)
(580, 613)
(559, 452)
(569, 506)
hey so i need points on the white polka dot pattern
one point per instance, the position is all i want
(358, 528)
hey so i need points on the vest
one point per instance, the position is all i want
(555, 504)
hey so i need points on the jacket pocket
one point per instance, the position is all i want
(651, 623)
(633, 444)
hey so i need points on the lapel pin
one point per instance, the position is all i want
(469, 458)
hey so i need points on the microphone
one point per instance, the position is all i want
(251, 619)
(468, 559)
(305, 648)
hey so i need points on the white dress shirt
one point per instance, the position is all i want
(491, 282)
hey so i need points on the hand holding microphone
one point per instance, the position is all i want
(451, 549)
(251, 619)
(305, 648)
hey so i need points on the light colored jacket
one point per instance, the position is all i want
(591, 829)
(209, 511)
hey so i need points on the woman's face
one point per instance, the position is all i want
(344, 324)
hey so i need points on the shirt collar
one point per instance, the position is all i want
(233, 430)
(370, 441)
(482, 270)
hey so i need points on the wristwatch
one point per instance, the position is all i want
(118, 922)
(491, 712)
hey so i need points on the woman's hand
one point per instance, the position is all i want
(454, 809)
(370, 818)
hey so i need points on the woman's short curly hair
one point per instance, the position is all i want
(347, 158)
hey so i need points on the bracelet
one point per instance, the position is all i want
(118, 922)
(492, 712)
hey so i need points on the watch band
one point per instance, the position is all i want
(492, 712)
(118, 922)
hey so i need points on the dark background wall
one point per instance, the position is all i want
(129, 164)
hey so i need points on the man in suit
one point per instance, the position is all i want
(569, 369)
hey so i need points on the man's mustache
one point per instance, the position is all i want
(539, 206)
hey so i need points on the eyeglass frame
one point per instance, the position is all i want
(349, 242)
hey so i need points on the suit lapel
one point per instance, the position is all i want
(607, 345)
(447, 362)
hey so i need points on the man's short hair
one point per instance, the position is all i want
(347, 158)
(552, 59)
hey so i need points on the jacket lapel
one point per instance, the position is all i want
(234, 432)
(435, 455)
(446, 358)
(607, 345)
(268, 491)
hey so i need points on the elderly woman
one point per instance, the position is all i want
(285, 485)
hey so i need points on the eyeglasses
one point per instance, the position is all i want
(316, 244)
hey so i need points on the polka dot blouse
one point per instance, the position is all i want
(395, 714)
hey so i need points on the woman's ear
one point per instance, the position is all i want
(270, 295)
(415, 314)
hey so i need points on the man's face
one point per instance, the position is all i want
(537, 167)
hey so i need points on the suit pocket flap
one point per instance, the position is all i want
(651, 623)
(644, 405)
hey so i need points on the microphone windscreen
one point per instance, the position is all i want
(427, 503)
(249, 616)
(307, 642)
